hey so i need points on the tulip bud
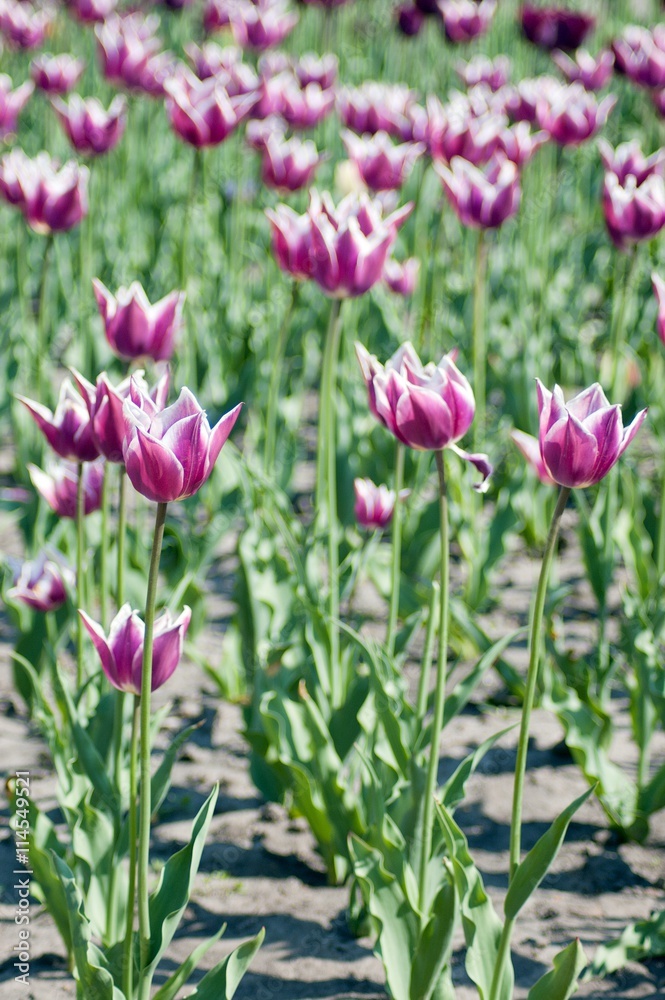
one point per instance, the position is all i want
(59, 486)
(43, 583)
(374, 505)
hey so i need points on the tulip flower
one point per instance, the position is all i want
(52, 199)
(259, 132)
(24, 26)
(261, 24)
(530, 448)
(580, 441)
(426, 407)
(659, 292)
(464, 20)
(201, 111)
(305, 107)
(382, 165)
(59, 486)
(401, 278)
(289, 164)
(130, 56)
(374, 505)
(136, 329)
(92, 11)
(481, 198)
(56, 75)
(628, 159)
(633, 211)
(90, 129)
(493, 73)
(455, 130)
(169, 454)
(572, 115)
(640, 54)
(12, 103)
(105, 408)
(321, 70)
(521, 102)
(555, 27)
(410, 19)
(68, 430)
(225, 64)
(376, 107)
(592, 73)
(121, 652)
(518, 143)
(43, 583)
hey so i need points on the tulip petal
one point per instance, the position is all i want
(481, 463)
(103, 649)
(632, 429)
(570, 452)
(153, 470)
(167, 646)
(219, 436)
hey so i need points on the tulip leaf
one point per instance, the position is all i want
(453, 791)
(168, 901)
(640, 940)
(561, 981)
(433, 950)
(532, 870)
(161, 779)
(459, 697)
(222, 982)
(95, 982)
(174, 983)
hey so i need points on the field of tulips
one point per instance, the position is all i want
(332, 499)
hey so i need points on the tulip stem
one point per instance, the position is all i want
(479, 338)
(122, 529)
(397, 548)
(426, 315)
(80, 588)
(103, 552)
(42, 345)
(440, 690)
(618, 322)
(426, 667)
(535, 638)
(128, 951)
(145, 811)
(660, 566)
(328, 432)
(183, 269)
(276, 379)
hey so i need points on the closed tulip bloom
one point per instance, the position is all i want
(68, 429)
(12, 103)
(291, 241)
(580, 441)
(121, 652)
(640, 55)
(56, 75)
(482, 198)
(518, 143)
(572, 115)
(428, 407)
(201, 112)
(43, 583)
(555, 27)
(53, 199)
(659, 292)
(382, 165)
(633, 211)
(24, 26)
(457, 131)
(464, 20)
(289, 164)
(401, 278)
(261, 24)
(90, 129)
(169, 454)
(410, 19)
(321, 70)
(226, 65)
(92, 11)
(628, 158)
(376, 107)
(480, 69)
(305, 107)
(130, 54)
(592, 73)
(105, 408)
(530, 448)
(374, 506)
(59, 486)
(522, 101)
(136, 329)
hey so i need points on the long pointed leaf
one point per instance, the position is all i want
(222, 981)
(561, 981)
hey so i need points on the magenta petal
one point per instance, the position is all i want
(530, 448)
(630, 431)
(481, 462)
(219, 436)
(153, 470)
(570, 453)
(607, 428)
(423, 420)
(103, 649)
(167, 646)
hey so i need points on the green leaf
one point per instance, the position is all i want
(452, 793)
(561, 981)
(168, 901)
(222, 981)
(643, 939)
(434, 947)
(460, 695)
(161, 779)
(532, 870)
(174, 983)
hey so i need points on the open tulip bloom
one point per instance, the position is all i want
(43, 583)
(105, 408)
(427, 407)
(579, 441)
(89, 127)
(53, 199)
(136, 329)
(121, 652)
(68, 430)
(169, 454)
(59, 486)
(12, 103)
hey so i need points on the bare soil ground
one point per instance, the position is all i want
(260, 867)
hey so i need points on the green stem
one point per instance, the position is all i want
(145, 811)
(532, 678)
(660, 565)
(122, 527)
(42, 339)
(618, 322)
(535, 638)
(80, 586)
(128, 951)
(426, 315)
(608, 551)
(183, 271)
(479, 338)
(426, 669)
(276, 378)
(103, 552)
(440, 690)
(400, 453)
(330, 390)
